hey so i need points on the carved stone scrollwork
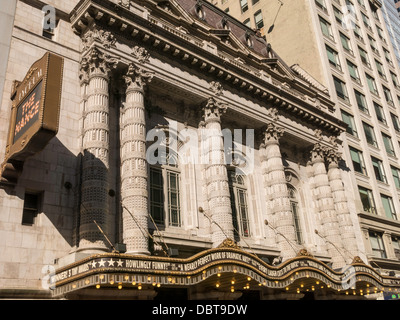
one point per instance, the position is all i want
(213, 110)
(318, 152)
(125, 3)
(136, 78)
(105, 38)
(304, 253)
(272, 133)
(229, 243)
(141, 54)
(216, 88)
(97, 62)
(333, 156)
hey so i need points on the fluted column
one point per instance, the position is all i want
(278, 201)
(216, 173)
(134, 176)
(95, 164)
(340, 200)
(326, 207)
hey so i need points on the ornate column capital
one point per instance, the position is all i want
(271, 133)
(318, 153)
(136, 78)
(333, 156)
(213, 110)
(97, 63)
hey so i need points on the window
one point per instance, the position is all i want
(378, 249)
(358, 161)
(380, 34)
(294, 205)
(341, 90)
(388, 95)
(333, 58)
(326, 28)
(165, 193)
(387, 141)
(173, 199)
(349, 120)
(353, 71)
(338, 15)
(31, 209)
(366, 21)
(394, 79)
(361, 102)
(370, 134)
(357, 32)
(258, 19)
(364, 57)
(321, 4)
(345, 43)
(247, 22)
(395, 121)
(379, 67)
(388, 206)
(367, 200)
(243, 5)
(378, 169)
(239, 207)
(396, 176)
(373, 45)
(156, 195)
(396, 246)
(380, 114)
(371, 84)
(387, 56)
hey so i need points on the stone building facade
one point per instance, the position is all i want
(190, 160)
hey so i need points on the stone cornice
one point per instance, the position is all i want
(264, 84)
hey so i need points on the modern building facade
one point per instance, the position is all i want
(180, 157)
(392, 20)
(346, 46)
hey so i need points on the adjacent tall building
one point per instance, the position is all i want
(346, 46)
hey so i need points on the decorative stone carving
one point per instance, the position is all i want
(272, 133)
(216, 88)
(136, 77)
(213, 110)
(229, 243)
(141, 54)
(105, 38)
(96, 62)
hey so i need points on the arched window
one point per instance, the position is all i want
(294, 205)
(238, 192)
(164, 196)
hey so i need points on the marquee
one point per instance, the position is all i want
(217, 267)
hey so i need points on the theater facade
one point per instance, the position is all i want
(162, 149)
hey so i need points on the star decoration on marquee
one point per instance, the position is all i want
(107, 262)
